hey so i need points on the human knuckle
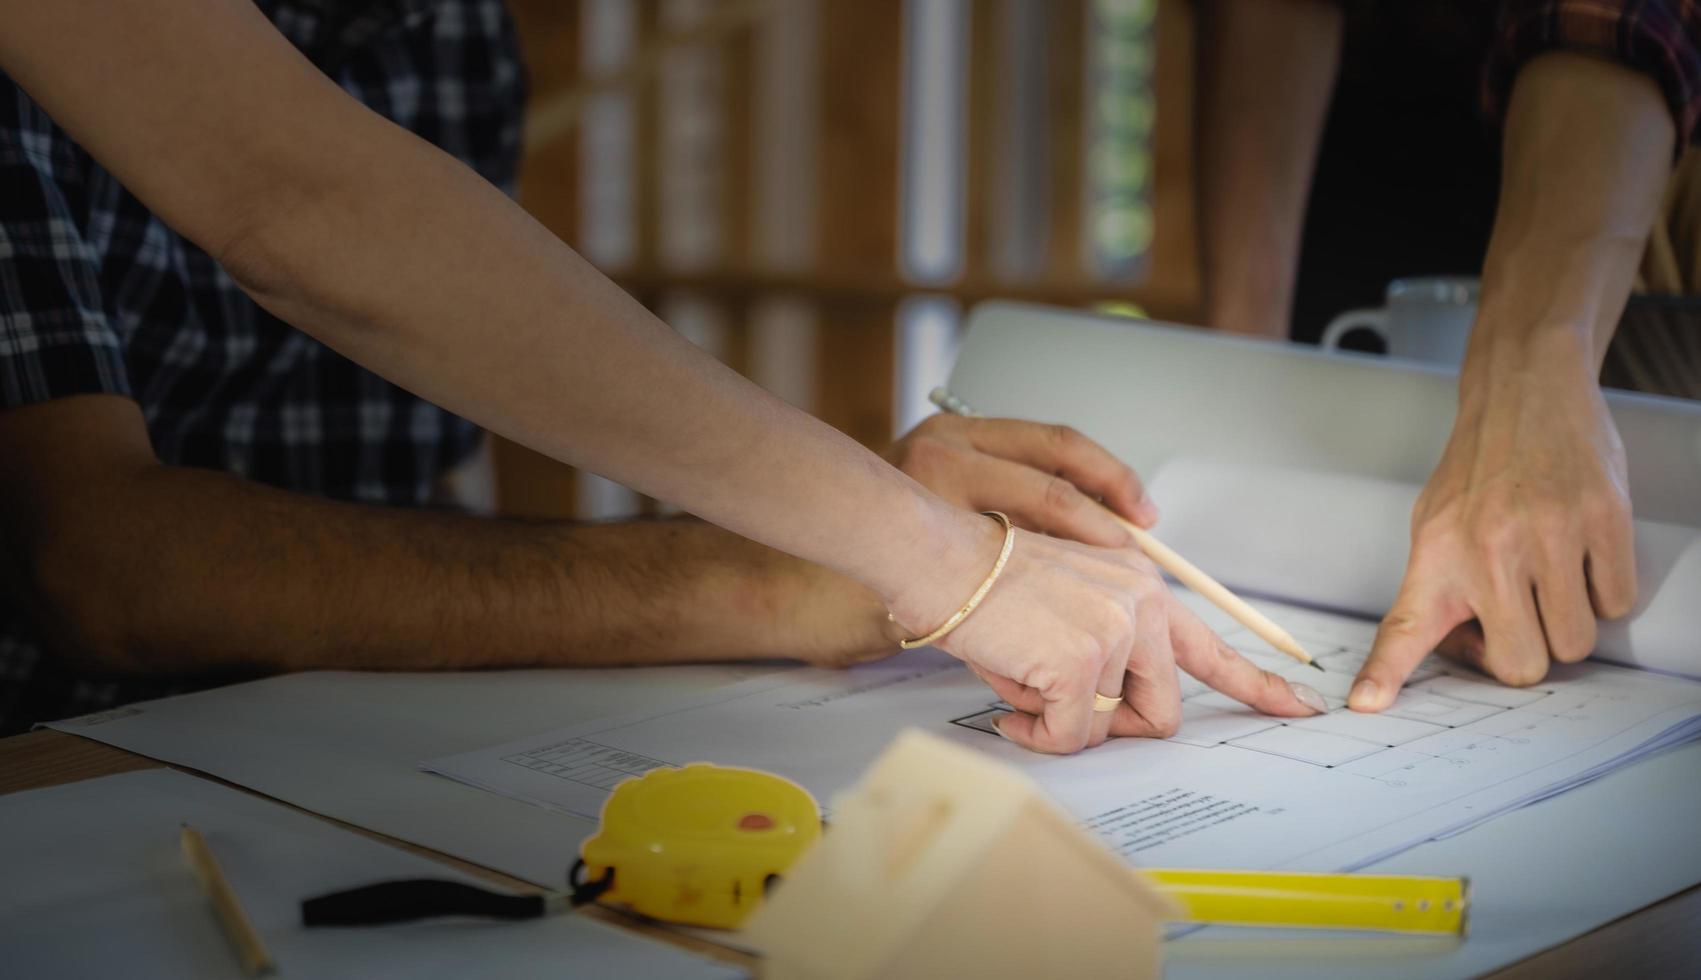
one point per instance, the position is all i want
(923, 453)
(1494, 536)
(1047, 739)
(1272, 684)
(1605, 507)
(1598, 510)
(1501, 496)
(1120, 612)
(1061, 496)
(1045, 677)
(1152, 607)
(938, 422)
(1063, 436)
(1519, 673)
(1617, 603)
(1577, 645)
(1403, 622)
(1225, 655)
(1123, 619)
(1165, 721)
(1092, 659)
(1137, 583)
(1552, 526)
(1434, 535)
(1144, 569)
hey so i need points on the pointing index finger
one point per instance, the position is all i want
(1202, 653)
(1415, 625)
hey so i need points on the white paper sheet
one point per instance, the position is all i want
(1232, 789)
(1340, 541)
(96, 885)
(348, 745)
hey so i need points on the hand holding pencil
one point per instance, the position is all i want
(1050, 479)
(1180, 568)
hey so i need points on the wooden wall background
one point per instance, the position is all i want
(747, 169)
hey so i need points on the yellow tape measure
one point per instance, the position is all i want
(700, 845)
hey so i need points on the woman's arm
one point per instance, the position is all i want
(403, 259)
(393, 253)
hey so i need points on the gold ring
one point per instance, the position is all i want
(1102, 704)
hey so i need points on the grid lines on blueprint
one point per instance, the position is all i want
(580, 760)
(1444, 719)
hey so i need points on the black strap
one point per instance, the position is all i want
(406, 901)
(426, 898)
(587, 891)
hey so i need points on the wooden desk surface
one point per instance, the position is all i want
(46, 758)
(1662, 940)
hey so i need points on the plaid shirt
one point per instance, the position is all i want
(1661, 38)
(98, 296)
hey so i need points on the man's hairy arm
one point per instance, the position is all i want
(1523, 534)
(1266, 70)
(132, 566)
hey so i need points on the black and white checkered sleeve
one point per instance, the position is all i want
(55, 337)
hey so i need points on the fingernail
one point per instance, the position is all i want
(1364, 694)
(1307, 695)
(1148, 511)
(1000, 730)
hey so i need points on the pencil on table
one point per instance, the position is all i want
(237, 928)
(1184, 571)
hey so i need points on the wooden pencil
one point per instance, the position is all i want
(232, 919)
(1216, 593)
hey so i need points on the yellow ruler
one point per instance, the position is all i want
(1397, 903)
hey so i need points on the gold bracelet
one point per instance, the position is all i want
(980, 593)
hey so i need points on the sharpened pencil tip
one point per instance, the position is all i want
(1319, 667)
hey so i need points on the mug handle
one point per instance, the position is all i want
(1376, 321)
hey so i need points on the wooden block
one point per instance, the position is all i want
(944, 862)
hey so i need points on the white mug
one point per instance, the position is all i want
(1426, 319)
